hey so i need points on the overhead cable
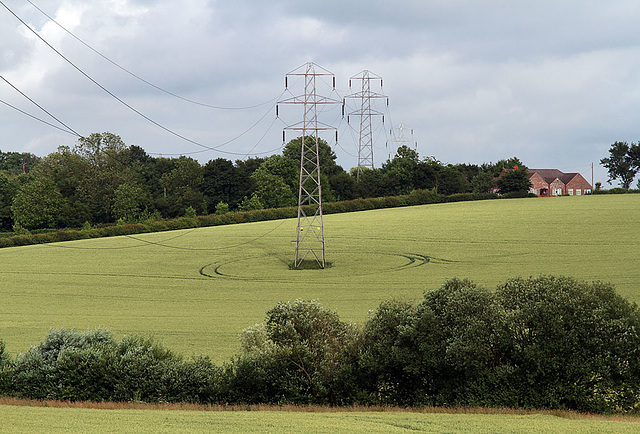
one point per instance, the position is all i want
(69, 129)
(170, 131)
(141, 78)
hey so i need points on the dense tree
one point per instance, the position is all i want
(483, 182)
(129, 202)
(8, 190)
(299, 355)
(272, 191)
(14, 163)
(514, 181)
(623, 162)
(183, 185)
(102, 180)
(399, 173)
(71, 173)
(327, 158)
(276, 182)
(496, 168)
(224, 182)
(37, 205)
(343, 186)
(572, 344)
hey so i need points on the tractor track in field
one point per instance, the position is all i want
(413, 260)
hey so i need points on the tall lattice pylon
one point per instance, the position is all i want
(310, 239)
(365, 112)
(401, 135)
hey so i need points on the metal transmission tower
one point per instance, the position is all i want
(365, 95)
(310, 233)
(400, 139)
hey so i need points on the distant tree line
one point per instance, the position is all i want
(547, 342)
(101, 180)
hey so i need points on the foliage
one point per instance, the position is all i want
(129, 202)
(483, 182)
(102, 180)
(190, 213)
(37, 205)
(538, 343)
(545, 342)
(72, 365)
(514, 181)
(274, 181)
(296, 357)
(251, 203)
(222, 208)
(623, 162)
(572, 344)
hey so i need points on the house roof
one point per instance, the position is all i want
(550, 175)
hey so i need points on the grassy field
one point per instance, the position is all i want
(19, 419)
(195, 290)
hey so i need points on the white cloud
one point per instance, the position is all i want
(554, 83)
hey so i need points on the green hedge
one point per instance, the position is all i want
(546, 342)
(616, 190)
(416, 197)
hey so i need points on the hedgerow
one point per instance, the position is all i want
(416, 197)
(546, 342)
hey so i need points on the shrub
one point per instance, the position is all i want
(539, 343)
(72, 365)
(222, 208)
(6, 369)
(573, 344)
(296, 357)
(190, 213)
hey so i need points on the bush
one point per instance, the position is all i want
(72, 365)
(296, 357)
(547, 342)
(6, 369)
(572, 344)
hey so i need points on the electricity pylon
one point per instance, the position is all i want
(400, 139)
(365, 95)
(310, 232)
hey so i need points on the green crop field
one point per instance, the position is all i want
(195, 290)
(58, 420)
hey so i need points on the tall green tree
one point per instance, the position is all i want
(37, 205)
(328, 165)
(483, 182)
(183, 186)
(223, 182)
(514, 181)
(8, 190)
(623, 163)
(129, 202)
(15, 163)
(399, 173)
(71, 173)
(274, 182)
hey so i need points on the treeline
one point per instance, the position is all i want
(101, 180)
(23, 237)
(546, 342)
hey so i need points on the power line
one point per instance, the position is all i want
(140, 78)
(36, 118)
(170, 131)
(69, 129)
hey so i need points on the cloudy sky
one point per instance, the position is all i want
(551, 82)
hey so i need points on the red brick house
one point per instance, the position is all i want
(552, 182)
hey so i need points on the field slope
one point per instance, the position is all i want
(195, 290)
